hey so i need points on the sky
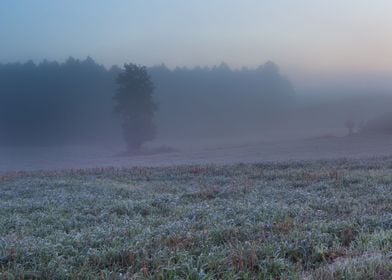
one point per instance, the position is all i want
(316, 36)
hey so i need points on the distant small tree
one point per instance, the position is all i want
(135, 105)
(350, 124)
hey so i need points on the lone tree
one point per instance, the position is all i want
(135, 105)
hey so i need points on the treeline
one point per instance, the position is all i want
(216, 100)
(72, 102)
(54, 102)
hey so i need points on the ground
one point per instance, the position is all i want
(328, 219)
(216, 152)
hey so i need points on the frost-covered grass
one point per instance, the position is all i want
(312, 220)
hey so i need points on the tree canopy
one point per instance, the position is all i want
(135, 105)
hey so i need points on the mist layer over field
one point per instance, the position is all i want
(62, 116)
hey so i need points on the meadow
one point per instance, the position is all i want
(327, 219)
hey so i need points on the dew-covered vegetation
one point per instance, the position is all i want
(299, 220)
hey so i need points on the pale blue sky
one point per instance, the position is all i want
(314, 35)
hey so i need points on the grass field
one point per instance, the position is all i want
(299, 220)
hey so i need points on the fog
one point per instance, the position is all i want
(195, 139)
(49, 107)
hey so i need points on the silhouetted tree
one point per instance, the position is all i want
(135, 105)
